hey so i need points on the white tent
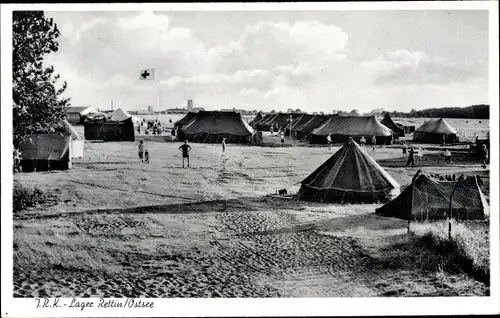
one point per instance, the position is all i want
(120, 115)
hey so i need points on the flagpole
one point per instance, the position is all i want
(158, 93)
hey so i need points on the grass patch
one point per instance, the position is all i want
(24, 197)
(468, 250)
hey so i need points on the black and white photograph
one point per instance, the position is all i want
(344, 154)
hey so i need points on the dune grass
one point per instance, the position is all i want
(467, 251)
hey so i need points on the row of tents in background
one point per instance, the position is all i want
(38, 151)
(212, 126)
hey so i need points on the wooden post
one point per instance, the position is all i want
(450, 210)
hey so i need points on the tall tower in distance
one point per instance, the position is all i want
(190, 105)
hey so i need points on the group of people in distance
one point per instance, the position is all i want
(409, 152)
(153, 126)
(185, 148)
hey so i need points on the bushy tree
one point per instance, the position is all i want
(37, 103)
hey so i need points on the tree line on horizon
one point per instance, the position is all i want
(481, 111)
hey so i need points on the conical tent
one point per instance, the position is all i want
(427, 199)
(342, 128)
(434, 130)
(389, 123)
(350, 175)
(212, 126)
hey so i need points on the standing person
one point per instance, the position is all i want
(271, 129)
(146, 155)
(223, 144)
(420, 154)
(185, 148)
(362, 141)
(405, 148)
(282, 138)
(484, 155)
(411, 158)
(447, 156)
(141, 150)
(138, 130)
(329, 141)
(374, 142)
(444, 140)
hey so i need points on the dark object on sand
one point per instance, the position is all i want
(282, 192)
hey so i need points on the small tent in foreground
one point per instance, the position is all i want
(44, 152)
(342, 128)
(427, 199)
(434, 130)
(389, 123)
(350, 175)
(212, 126)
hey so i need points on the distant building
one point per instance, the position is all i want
(197, 109)
(77, 114)
(190, 105)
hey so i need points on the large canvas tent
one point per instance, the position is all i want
(302, 130)
(427, 199)
(342, 128)
(434, 130)
(118, 126)
(349, 175)
(389, 123)
(212, 126)
(43, 152)
(77, 141)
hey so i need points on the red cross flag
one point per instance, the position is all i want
(148, 74)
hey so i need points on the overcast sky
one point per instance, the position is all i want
(315, 61)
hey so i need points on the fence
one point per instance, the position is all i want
(451, 202)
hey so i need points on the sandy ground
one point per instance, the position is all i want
(123, 228)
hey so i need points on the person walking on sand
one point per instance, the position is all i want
(329, 141)
(405, 148)
(374, 142)
(141, 151)
(411, 158)
(447, 156)
(185, 148)
(484, 156)
(223, 144)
